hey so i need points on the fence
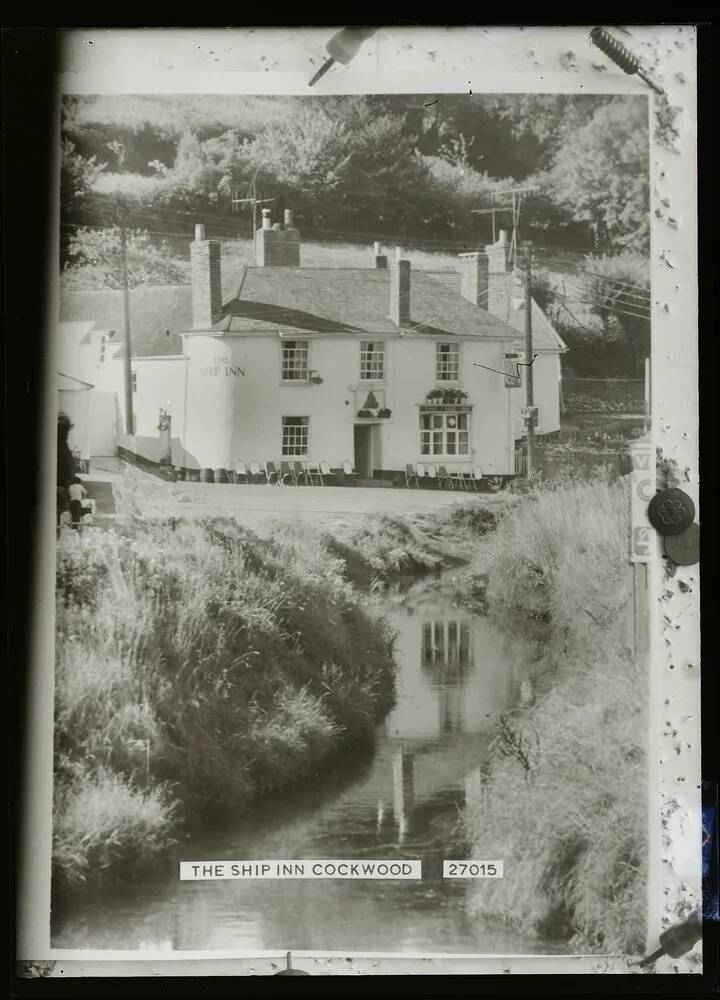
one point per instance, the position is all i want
(603, 395)
(557, 460)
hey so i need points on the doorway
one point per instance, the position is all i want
(363, 450)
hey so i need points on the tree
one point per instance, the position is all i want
(600, 175)
(95, 260)
(348, 161)
(77, 175)
(205, 171)
(618, 289)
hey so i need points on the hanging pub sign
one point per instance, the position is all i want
(512, 379)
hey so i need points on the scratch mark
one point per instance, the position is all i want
(525, 364)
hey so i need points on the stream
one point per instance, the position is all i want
(456, 674)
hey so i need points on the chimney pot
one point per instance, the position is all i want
(398, 253)
(199, 231)
(277, 245)
(498, 254)
(377, 248)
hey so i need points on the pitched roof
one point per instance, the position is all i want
(290, 300)
(159, 314)
(70, 382)
(332, 300)
(506, 301)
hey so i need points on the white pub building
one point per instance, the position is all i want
(382, 366)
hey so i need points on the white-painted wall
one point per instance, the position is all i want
(258, 400)
(227, 401)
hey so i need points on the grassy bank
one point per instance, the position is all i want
(196, 670)
(379, 549)
(564, 803)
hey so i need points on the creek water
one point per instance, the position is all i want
(456, 674)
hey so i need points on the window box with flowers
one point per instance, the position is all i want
(446, 397)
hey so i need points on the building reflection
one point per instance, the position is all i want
(446, 660)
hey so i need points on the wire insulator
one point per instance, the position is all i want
(615, 50)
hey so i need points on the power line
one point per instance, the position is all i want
(596, 274)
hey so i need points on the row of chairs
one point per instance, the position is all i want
(438, 475)
(289, 473)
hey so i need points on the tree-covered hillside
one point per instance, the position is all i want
(388, 165)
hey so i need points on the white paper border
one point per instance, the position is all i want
(433, 60)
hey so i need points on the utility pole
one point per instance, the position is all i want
(529, 357)
(122, 222)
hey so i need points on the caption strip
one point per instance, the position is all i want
(199, 871)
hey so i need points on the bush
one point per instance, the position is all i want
(571, 762)
(104, 827)
(207, 661)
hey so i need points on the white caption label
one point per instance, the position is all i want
(211, 870)
(472, 869)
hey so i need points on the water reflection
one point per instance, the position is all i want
(455, 675)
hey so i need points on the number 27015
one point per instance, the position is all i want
(472, 869)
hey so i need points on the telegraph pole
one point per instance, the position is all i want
(122, 221)
(529, 357)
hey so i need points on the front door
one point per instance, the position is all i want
(363, 450)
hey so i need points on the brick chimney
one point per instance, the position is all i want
(276, 245)
(498, 253)
(205, 279)
(474, 279)
(400, 290)
(381, 261)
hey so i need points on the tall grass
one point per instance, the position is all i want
(196, 670)
(564, 803)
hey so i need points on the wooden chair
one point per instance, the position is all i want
(325, 472)
(443, 478)
(419, 473)
(300, 472)
(312, 474)
(474, 477)
(272, 476)
(432, 473)
(410, 475)
(348, 471)
(287, 472)
(255, 472)
(457, 477)
(241, 472)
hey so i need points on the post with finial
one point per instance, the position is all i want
(289, 971)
